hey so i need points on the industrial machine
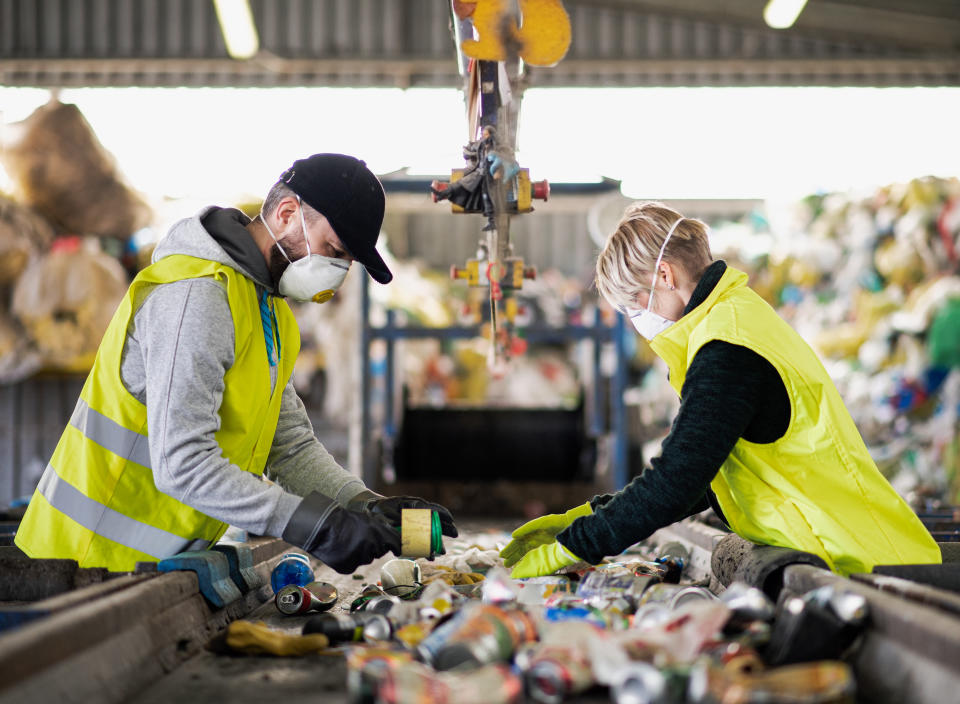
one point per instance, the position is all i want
(495, 40)
(493, 43)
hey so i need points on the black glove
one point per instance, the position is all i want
(389, 507)
(340, 538)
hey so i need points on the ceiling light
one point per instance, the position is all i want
(239, 30)
(781, 14)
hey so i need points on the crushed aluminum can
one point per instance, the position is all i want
(556, 672)
(675, 595)
(640, 683)
(809, 628)
(848, 606)
(427, 649)
(601, 587)
(316, 596)
(488, 634)
(381, 604)
(346, 628)
(748, 603)
(366, 594)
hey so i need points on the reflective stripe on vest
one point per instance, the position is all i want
(99, 503)
(111, 524)
(111, 435)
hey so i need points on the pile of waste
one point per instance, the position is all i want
(636, 628)
(872, 282)
(65, 241)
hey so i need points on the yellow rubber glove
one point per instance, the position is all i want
(540, 531)
(258, 638)
(544, 560)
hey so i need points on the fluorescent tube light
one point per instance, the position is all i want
(781, 14)
(239, 30)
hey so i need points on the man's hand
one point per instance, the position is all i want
(544, 560)
(340, 538)
(389, 508)
(540, 531)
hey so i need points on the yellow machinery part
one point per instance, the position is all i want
(455, 175)
(544, 37)
(524, 192)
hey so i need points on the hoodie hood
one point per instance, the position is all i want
(190, 237)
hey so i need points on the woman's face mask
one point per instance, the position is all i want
(646, 322)
(313, 277)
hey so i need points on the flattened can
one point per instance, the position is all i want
(675, 595)
(604, 586)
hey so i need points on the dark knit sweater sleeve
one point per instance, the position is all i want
(720, 398)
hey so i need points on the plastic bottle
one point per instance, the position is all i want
(293, 568)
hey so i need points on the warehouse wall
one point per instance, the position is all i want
(32, 417)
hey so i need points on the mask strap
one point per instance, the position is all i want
(663, 248)
(263, 219)
(303, 222)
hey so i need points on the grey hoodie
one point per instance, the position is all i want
(183, 333)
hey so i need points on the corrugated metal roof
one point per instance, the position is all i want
(408, 42)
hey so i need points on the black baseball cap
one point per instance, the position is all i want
(350, 197)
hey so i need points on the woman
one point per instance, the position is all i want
(762, 435)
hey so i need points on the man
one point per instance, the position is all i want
(201, 352)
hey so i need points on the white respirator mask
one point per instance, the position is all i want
(313, 277)
(646, 322)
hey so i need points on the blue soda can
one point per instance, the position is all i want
(293, 568)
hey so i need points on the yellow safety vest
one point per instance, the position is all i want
(816, 488)
(97, 502)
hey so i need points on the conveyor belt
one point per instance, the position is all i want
(142, 639)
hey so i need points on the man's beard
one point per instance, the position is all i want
(278, 263)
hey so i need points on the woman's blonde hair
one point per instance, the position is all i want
(625, 266)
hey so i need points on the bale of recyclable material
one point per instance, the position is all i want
(23, 235)
(61, 170)
(65, 300)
